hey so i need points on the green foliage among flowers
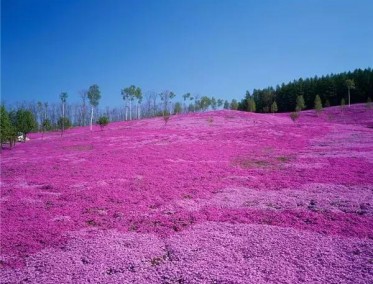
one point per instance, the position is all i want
(103, 121)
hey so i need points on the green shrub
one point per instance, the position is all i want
(318, 104)
(300, 103)
(7, 130)
(63, 123)
(274, 107)
(103, 121)
(46, 125)
(25, 122)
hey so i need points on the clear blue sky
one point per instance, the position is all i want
(216, 48)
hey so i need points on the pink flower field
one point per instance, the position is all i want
(215, 197)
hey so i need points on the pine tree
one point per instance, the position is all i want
(350, 84)
(251, 107)
(5, 126)
(318, 104)
(300, 103)
(274, 107)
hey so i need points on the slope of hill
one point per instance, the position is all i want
(217, 197)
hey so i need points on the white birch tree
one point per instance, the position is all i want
(63, 98)
(94, 97)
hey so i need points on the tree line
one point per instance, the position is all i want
(136, 105)
(316, 92)
(44, 116)
(333, 89)
(17, 123)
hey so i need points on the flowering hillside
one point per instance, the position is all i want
(216, 197)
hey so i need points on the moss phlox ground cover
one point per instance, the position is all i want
(216, 197)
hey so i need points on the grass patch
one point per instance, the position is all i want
(252, 163)
(283, 159)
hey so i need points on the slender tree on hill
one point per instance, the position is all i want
(45, 110)
(166, 97)
(125, 95)
(138, 96)
(128, 95)
(214, 103)
(83, 96)
(193, 108)
(350, 84)
(94, 96)
(40, 113)
(63, 98)
(185, 97)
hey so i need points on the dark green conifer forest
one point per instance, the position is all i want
(331, 89)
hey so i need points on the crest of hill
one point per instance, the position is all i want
(358, 115)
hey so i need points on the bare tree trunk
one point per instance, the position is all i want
(107, 113)
(349, 104)
(130, 109)
(91, 117)
(63, 118)
(138, 111)
(83, 95)
(46, 111)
